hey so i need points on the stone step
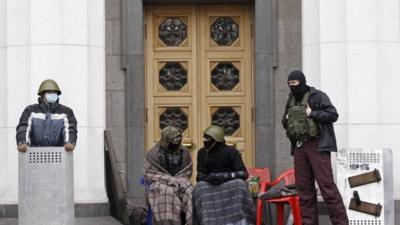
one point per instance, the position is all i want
(107, 220)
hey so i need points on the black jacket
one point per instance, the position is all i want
(220, 159)
(47, 124)
(324, 114)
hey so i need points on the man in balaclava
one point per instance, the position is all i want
(47, 123)
(221, 186)
(167, 172)
(217, 162)
(308, 120)
(301, 88)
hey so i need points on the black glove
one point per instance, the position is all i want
(219, 178)
(241, 174)
(202, 177)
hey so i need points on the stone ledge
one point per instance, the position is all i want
(107, 220)
(81, 210)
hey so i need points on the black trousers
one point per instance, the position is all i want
(311, 165)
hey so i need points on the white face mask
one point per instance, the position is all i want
(51, 97)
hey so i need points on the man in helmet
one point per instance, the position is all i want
(221, 186)
(47, 123)
(167, 172)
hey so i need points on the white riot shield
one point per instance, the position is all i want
(46, 187)
(353, 162)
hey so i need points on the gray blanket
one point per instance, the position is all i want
(227, 204)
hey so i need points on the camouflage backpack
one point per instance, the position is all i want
(300, 127)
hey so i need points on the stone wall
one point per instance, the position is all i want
(289, 55)
(61, 40)
(115, 80)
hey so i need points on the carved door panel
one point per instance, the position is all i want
(226, 74)
(171, 72)
(199, 72)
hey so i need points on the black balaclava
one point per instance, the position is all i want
(173, 147)
(209, 142)
(298, 91)
(170, 152)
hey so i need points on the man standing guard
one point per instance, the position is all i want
(47, 123)
(308, 120)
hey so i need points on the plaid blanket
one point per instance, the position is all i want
(169, 195)
(227, 204)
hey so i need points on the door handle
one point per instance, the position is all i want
(231, 144)
(189, 145)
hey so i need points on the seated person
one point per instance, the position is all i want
(167, 171)
(221, 195)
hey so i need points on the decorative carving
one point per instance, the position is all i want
(173, 76)
(172, 31)
(225, 31)
(174, 116)
(227, 118)
(225, 76)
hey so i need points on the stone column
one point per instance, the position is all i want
(351, 51)
(61, 40)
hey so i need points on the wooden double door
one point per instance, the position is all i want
(199, 72)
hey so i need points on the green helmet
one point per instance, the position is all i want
(216, 132)
(169, 135)
(49, 85)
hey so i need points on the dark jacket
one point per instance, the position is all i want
(324, 114)
(47, 124)
(220, 159)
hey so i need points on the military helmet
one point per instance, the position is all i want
(216, 132)
(169, 135)
(49, 85)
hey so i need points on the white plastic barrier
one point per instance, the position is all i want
(354, 162)
(46, 187)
